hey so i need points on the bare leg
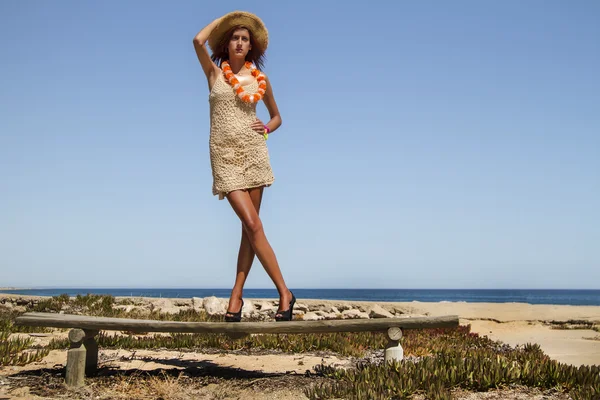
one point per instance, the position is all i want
(242, 204)
(245, 258)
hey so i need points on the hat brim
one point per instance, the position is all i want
(258, 29)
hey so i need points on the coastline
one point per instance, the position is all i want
(531, 296)
(496, 312)
(550, 326)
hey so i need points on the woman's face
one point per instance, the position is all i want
(239, 45)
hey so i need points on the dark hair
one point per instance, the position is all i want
(256, 55)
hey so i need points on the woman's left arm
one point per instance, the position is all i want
(271, 104)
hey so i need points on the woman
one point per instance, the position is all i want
(238, 152)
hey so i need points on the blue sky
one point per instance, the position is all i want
(424, 145)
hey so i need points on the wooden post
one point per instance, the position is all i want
(393, 350)
(91, 351)
(82, 357)
(76, 359)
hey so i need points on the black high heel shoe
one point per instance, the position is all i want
(235, 317)
(287, 314)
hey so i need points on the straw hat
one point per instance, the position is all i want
(253, 22)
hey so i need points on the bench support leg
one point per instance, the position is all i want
(91, 351)
(82, 356)
(393, 350)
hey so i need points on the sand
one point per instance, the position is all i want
(518, 323)
(511, 323)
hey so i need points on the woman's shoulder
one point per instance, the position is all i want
(266, 76)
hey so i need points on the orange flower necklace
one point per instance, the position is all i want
(239, 90)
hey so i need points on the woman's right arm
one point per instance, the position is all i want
(210, 68)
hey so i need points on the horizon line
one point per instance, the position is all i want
(272, 288)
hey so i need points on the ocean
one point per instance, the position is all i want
(531, 296)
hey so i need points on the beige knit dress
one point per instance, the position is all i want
(238, 154)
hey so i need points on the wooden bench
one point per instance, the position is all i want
(82, 357)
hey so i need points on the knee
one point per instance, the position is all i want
(253, 226)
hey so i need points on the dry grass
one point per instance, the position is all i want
(168, 384)
(597, 337)
(164, 387)
(573, 324)
(137, 385)
(182, 387)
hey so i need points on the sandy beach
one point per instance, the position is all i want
(511, 323)
(514, 324)
(518, 323)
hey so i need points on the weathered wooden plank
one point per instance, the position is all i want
(346, 325)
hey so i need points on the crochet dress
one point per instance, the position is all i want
(239, 156)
